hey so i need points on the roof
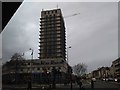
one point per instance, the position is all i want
(116, 60)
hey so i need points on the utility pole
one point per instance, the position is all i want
(70, 69)
(71, 79)
(67, 53)
(18, 57)
(53, 77)
(30, 81)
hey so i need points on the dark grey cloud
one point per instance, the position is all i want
(0, 45)
(71, 0)
(92, 34)
(95, 35)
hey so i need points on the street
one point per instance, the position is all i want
(98, 85)
(103, 85)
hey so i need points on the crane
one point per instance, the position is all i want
(71, 15)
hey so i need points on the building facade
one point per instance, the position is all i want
(52, 40)
(52, 35)
(102, 72)
(115, 68)
(20, 71)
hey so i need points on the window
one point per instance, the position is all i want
(44, 12)
(55, 11)
(38, 68)
(42, 23)
(58, 28)
(58, 18)
(58, 24)
(42, 37)
(59, 54)
(57, 21)
(58, 39)
(58, 50)
(58, 14)
(58, 46)
(58, 11)
(58, 35)
(42, 26)
(48, 68)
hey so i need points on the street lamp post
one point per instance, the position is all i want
(53, 77)
(32, 59)
(31, 53)
(30, 83)
(67, 53)
(16, 67)
(70, 69)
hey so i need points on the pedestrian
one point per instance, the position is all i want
(29, 85)
(92, 84)
(50, 86)
(79, 82)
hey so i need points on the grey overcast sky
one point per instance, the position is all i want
(93, 34)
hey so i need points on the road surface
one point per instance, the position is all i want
(98, 85)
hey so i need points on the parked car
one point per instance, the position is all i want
(106, 79)
(117, 79)
(103, 79)
(110, 79)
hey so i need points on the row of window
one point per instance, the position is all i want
(50, 28)
(51, 51)
(117, 70)
(51, 16)
(51, 11)
(51, 55)
(117, 65)
(50, 35)
(52, 40)
(53, 19)
(52, 32)
(51, 44)
(49, 32)
(56, 46)
(50, 23)
(42, 69)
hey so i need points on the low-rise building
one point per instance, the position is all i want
(102, 72)
(115, 68)
(19, 71)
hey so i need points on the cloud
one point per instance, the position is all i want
(92, 34)
(0, 45)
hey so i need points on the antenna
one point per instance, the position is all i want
(57, 6)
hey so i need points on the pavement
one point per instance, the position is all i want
(86, 86)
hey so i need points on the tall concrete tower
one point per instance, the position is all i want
(52, 38)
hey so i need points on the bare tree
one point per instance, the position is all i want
(80, 69)
(17, 56)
